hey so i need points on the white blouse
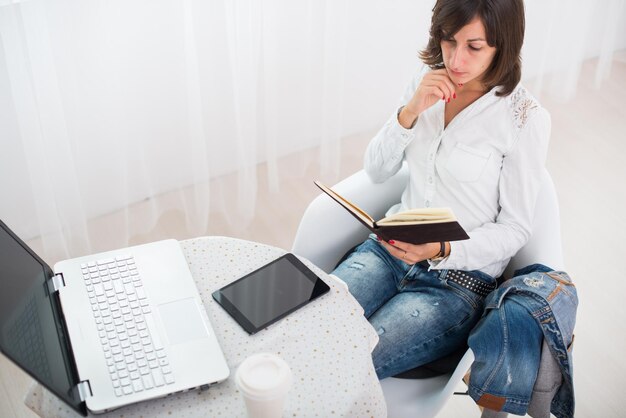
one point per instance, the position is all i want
(486, 165)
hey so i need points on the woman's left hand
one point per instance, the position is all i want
(411, 253)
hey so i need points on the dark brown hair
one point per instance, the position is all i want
(504, 26)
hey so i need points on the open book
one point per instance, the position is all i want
(416, 226)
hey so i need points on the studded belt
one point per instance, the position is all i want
(470, 281)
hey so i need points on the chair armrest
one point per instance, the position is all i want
(327, 231)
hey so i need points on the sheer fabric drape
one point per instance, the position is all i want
(107, 103)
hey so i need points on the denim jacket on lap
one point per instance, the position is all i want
(536, 304)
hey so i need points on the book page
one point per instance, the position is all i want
(419, 216)
(354, 209)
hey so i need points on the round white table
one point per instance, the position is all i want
(327, 344)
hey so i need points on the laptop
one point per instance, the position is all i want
(107, 330)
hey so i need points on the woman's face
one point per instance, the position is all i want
(466, 54)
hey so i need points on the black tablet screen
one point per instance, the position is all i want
(270, 293)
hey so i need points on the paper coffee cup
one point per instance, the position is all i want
(264, 380)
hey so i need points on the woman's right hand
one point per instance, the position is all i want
(435, 85)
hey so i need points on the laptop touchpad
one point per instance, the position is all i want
(183, 321)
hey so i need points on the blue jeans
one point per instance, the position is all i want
(536, 304)
(418, 315)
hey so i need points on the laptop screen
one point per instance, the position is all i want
(29, 334)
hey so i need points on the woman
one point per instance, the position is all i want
(475, 141)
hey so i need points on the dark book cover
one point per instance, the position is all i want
(414, 232)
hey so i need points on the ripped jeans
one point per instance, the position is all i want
(418, 314)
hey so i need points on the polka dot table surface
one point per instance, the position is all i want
(327, 344)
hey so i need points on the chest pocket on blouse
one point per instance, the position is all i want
(466, 164)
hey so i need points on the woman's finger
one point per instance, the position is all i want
(436, 91)
(400, 250)
(444, 83)
(396, 252)
(450, 85)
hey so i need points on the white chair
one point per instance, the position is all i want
(326, 232)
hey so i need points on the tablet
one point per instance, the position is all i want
(270, 293)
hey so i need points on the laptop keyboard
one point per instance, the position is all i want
(134, 353)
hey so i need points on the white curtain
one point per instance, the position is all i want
(104, 103)
(562, 34)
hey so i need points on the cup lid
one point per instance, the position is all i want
(264, 375)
